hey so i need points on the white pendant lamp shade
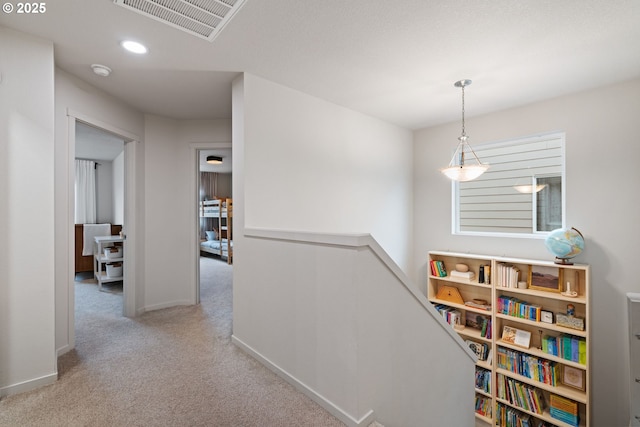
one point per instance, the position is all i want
(464, 173)
(528, 189)
(458, 169)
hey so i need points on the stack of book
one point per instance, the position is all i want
(566, 346)
(478, 303)
(564, 409)
(463, 274)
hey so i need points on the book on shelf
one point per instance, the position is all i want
(565, 346)
(515, 307)
(483, 379)
(507, 276)
(451, 315)
(476, 303)
(463, 275)
(480, 322)
(516, 336)
(563, 404)
(541, 370)
(519, 394)
(479, 348)
(438, 269)
(565, 418)
(483, 406)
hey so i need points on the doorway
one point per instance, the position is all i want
(77, 121)
(99, 205)
(212, 204)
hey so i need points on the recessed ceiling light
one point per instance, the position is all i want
(134, 47)
(101, 70)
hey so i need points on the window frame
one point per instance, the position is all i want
(513, 142)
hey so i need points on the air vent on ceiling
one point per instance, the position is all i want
(201, 18)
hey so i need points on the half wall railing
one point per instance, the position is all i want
(338, 319)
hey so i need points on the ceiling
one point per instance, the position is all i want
(96, 144)
(396, 60)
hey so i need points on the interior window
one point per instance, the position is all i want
(522, 193)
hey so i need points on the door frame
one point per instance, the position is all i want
(194, 202)
(132, 288)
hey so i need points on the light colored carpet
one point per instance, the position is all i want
(172, 367)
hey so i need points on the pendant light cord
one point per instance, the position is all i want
(463, 129)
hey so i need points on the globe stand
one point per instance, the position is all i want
(563, 261)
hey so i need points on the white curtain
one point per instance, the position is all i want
(85, 192)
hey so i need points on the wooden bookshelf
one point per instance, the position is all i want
(523, 305)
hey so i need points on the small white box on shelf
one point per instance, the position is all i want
(114, 270)
(113, 252)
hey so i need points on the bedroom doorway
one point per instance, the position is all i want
(213, 210)
(99, 210)
(77, 123)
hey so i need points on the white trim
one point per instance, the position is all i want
(71, 268)
(130, 290)
(92, 121)
(168, 304)
(334, 410)
(194, 225)
(29, 385)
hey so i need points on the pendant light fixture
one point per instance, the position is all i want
(214, 160)
(462, 171)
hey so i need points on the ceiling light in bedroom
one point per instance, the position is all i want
(214, 160)
(460, 171)
(134, 47)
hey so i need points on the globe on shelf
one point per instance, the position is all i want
(564, 243)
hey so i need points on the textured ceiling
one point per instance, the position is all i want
(396, 60)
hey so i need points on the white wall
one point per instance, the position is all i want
(78, 96)
(303, 164)
(602, 202)
(118, 189)
(27, 317)
(336, 317)
(314, 166)
(169, 270)
(104, 192)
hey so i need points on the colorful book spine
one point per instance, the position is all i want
(567, 347)
(437, 268)
(512, 306)
(521, 395)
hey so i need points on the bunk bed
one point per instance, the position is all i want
(217, 217)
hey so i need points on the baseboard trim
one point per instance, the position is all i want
(334, 410)
(28, 385)
(63, 350)
(164, 305)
